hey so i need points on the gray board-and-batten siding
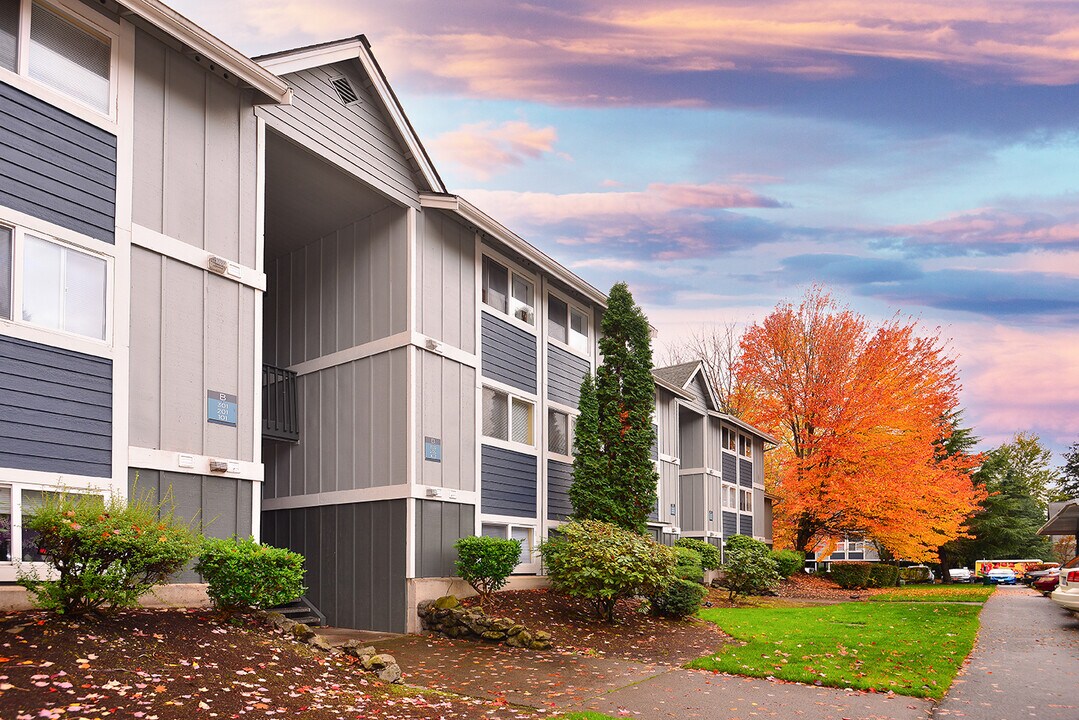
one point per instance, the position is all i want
(507, 482)
(438, 526)
(55, 409)
(508, 353)
(354, 556)
(56, 167)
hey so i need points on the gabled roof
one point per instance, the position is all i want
(204, 46)
(732, 420)
(1065, 520)
(678, 375)
(359, 49)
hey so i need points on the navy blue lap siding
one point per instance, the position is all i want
(55, 166)
(559, 478)
(507, 482)
(730, 468)
(745, 525)
(730, 524)
(565, 371)
(508, 353)
(745, 473)
(856, 556)
(55, 409)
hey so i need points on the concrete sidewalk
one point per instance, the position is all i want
(1024, 665)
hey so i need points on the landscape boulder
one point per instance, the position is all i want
(448, 617)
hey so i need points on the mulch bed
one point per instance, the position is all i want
(634, 635)
(172, 665)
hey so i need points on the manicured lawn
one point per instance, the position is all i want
(912, 649)
(937, 593)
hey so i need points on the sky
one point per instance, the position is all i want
(919, 158)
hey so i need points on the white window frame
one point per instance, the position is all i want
(745, 446)
(571, 427)
(511, 395)
(571, 307)
(726, 432)
(94, 23)
(745, 500)
(729, 497)
(18, 242)
(530, 567)
(513, 269)
(16, 529)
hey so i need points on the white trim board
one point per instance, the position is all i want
(382, 345)
(193, 464)
(178, 250)
(400, 491)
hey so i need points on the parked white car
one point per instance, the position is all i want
(1067, 593)
(960, 575)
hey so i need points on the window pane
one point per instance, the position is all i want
(557, 318)
(496, 531)
(69, 59)
(522, 300)
(31, 499)
(525, 536)
(42, 291)
(495, 414)
(5, 269)
(5, 521)
(495, 284)
(9, 33)
(578, 331)
(522, 421)
(558, 432)
(84, 299)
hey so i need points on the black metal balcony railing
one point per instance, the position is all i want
(280, 419)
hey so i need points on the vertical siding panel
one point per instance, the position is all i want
(245, 426)
(298, 308)
(185, 165)
(328, 290)
(313, 430)
(149, 146)
(222, 180)
(345, 428)
(345, 309)
(329, 398)
(248, 131)
(314, 312)
(184, 392)
(222, 370)
(365, 309)
(146, 328)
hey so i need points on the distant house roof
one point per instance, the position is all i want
(1064, 520)
(677, 375)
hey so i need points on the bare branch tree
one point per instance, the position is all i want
(718, 347)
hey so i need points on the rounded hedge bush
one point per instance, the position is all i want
(789, 562)
(242, 574)
(710, 556)
(749, 567)
(882, 575)
(687, 564)
(680, 599)
(851, 575)
(485, 563)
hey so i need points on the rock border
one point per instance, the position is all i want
(448, 617)
(382, 665)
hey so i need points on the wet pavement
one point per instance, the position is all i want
(1024, 665)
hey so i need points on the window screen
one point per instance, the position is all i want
(495, 284)
(66, 57)
(31, 500)
(63, 288)
(495, 531)
(9, 33)
(5, 271)
(522, 299)
(557, 319)
(522, 421)
(84, 297)
(525, 536)
(495, 414)
(578, 331)
(5, 524)
(558, 432)
(42, 290)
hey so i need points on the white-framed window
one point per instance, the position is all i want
(525, 534)
(745, 500)
(560, 432)
(567, 324)
(52, 284)
(61, 46)
(729, 493)
(508, 291)
(728, 439)
(855, 545)
(745, 446)
(17, 543)
(508, 417)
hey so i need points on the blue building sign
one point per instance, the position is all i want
(432, 449)
(221, 408)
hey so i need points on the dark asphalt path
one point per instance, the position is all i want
(1024, 665)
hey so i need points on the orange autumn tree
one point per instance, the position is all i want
(861, 412)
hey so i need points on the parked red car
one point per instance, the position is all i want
(1048, 582)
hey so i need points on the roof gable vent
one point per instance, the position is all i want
(344, 90)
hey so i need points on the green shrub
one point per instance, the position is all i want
(710, 557)
(105, 554)
(789, 562)
(882, 575)
(914, 574)
(486, 562)
(601, 564)
(851, 575)
(687, 564)
(680, 599)
(242, 574)
(749, 567)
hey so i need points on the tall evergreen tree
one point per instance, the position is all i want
(614, 478)
(1068, 484)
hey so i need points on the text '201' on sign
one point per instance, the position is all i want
(221, 408)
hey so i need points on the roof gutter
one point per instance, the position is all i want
(671, 387)
(214, 50)
(744, 425)
(485, 223)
